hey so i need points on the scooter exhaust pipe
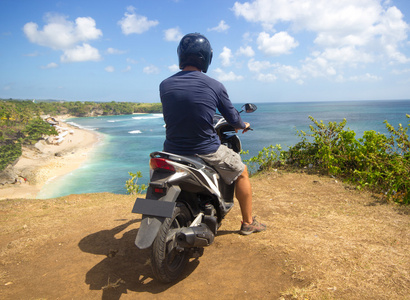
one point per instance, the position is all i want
(197, 236)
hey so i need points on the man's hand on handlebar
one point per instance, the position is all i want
(248, 127)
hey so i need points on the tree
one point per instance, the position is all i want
(36, 128)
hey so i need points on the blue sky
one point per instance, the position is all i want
(264, 50)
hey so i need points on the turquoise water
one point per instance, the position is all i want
(128, 140)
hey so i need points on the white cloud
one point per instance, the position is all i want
(267, 77)
(127, 69)
(247, 37)
(131, 61)
(246, 51)
(222, 26)
(374, 29)
(226, 57)
(359, 78)
(366, 77)
(81, 53)
(399, 72)
(347, 55)
(258, 66)
(115, 51)
(231, 76)
(86, 30)
(280, 43)
(133, 23)
(151, 69)
(173, 68)
(274, 71)
(318, 67)
(289, 72)
(51, 65)
(109, 69)
(173, 34)
(61, 34)
(313, 15)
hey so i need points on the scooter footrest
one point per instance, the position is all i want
(228, 206)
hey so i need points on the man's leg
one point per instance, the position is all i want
(244, 195)
(243, 192)
(243, 189)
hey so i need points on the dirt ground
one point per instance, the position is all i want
(324, 241)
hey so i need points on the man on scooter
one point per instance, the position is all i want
(189, 101)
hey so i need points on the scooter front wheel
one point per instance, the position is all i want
(167, 260)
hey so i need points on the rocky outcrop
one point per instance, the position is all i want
(13, 173)
(8, 175)
(95, 112)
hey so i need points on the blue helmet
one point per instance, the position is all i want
(194, 50)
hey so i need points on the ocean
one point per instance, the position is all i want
(127, 140)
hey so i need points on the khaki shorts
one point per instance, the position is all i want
(227, 163)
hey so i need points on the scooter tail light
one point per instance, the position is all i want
(161, 163)
(159, 191)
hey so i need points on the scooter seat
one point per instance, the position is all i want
(193, 161)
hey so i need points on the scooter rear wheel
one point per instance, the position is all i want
(168, 261)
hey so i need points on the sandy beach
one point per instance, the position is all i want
(46, 161)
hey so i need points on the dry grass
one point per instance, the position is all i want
(342, 243)
(324, 241)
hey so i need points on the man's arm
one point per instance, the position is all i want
(229, 112)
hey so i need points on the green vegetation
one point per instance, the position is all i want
(378, 162)
(20, 122)
(36, 128)
(268, 158)
(131, 184)
(8, 154)
(19, 125)
(86, 109)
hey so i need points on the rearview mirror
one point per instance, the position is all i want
(249, 108)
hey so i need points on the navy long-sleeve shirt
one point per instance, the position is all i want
(189, 102)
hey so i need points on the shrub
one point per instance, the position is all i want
(267, 158)
(131, 184)
(375, 161)
(36, 128)
(9, 152)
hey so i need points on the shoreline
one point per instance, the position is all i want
(46, 162)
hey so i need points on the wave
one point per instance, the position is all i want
(82, 127)
(153, 116)
(135, 131)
